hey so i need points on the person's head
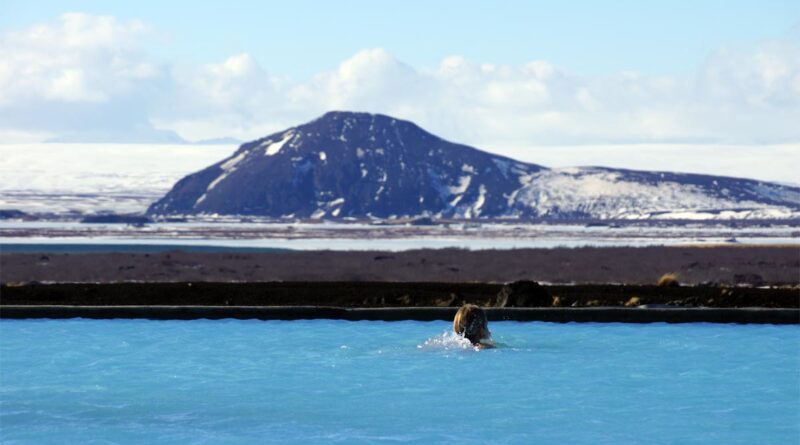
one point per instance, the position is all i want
(470, 321)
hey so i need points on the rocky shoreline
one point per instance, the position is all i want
(733, 266)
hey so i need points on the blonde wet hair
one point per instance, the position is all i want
(470, 321)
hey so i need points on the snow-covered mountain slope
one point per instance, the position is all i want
(604, 193)
(369, 165)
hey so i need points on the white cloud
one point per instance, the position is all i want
(81, 77)
(70, 85)
(235, 97)
(762, 77)
(88, 75)
(79, 58)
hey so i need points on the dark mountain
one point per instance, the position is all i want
(370, 165)
(351, 164)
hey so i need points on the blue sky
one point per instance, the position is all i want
(301, 37)
(503, 75)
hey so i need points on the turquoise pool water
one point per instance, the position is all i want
(139, 381)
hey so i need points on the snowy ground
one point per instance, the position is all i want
(91, 178)
(333, 236)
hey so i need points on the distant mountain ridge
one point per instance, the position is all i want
(363, 165)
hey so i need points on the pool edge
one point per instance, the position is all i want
(556, 315)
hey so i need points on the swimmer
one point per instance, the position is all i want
(471, 323)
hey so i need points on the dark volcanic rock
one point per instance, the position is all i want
(523, 294)
(350, 164)
(113, 218)
(14, 214)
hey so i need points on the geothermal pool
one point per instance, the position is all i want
(324, 381)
